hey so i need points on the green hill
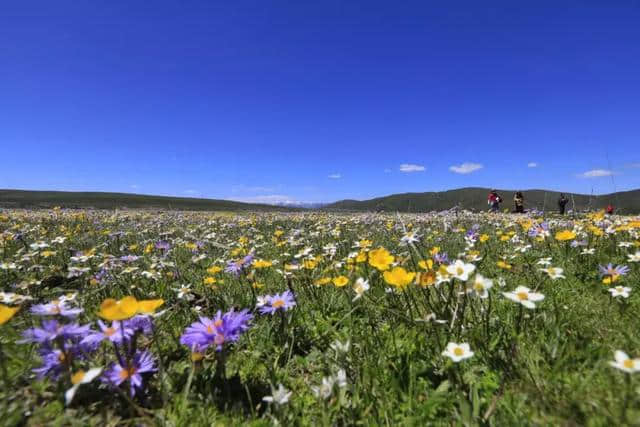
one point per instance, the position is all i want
(99, 200)
(475, 199)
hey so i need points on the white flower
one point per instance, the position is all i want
(261, 301)
(457, 352)
(325, 389)
(340, 347)
(625, 244)
(360, 287)
(184, 292)
(78, 378)
(524, 296)
(501, 282)
(480, 286)
(544, 262)
(341, 378)
(590, 251)
(624, 363)
(554, 272)
(279, 396)
(634, 257)
(409, 238)
(620, 291)
(460, 270)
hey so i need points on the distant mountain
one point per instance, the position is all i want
(474, 198)
(100, 200)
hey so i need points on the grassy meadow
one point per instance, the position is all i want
(310, 318)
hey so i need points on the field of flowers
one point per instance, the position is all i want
(178, 318)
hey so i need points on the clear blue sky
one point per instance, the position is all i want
(265, 100)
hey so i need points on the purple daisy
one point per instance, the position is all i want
(441, 258)
(141, 363)
(283, 301)
(223, 328)
(163, 245)
(55, 307)
(114, 333)
(610, 270)
(52, 329)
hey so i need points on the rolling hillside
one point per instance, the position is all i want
(99, 200)
(474, 198)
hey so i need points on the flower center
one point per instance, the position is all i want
(109, 331)
(127, 373)
(77, 377)
(277, 303)
(459, 270)
(458, 351)
(522, 296)
(628, 363)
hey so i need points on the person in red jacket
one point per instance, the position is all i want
(610, 209)
(494, 201)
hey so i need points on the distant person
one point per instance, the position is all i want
(610, 209)
(494, 201)
(518, 200)
(562, 203)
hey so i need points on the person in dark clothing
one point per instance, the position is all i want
(494, 201)
(610, 209)
(562, 203)
(518, 200)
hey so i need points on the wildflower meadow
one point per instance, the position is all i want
(315, 318)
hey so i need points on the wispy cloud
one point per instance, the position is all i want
(273, 199)
(409, 167)
(465, 168)
(192, 192)
(596, 173)
(334, 176)
(532, 165)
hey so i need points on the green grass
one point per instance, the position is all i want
(547, 366)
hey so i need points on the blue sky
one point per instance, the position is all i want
(319, 101)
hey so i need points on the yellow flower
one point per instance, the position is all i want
(484, 238)
(426, 265)
(6, 313)
(565, 235)
(257, 285)
(309, 264)
(191, 246)
(434, 250)
(425, 279)
(149, 248)
(380, 258)
(209, 280)
(214, 269)
(362, 256)
(133, 247)
(503, 265)
(260, 263)
(322, 281)
(364, 243)
(398, 277)
(340, 281)
(127, 307)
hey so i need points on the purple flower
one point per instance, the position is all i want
(235, 267)
(129, 258)
(55, 307)
(114, 333)
(610, 270)
(141, 363)
(576, 243)
(441, 258)
(140, 323)
(53, 363)
(51, 330)
(283, 301)
(223, 328)
(538, 229)
(163, 245)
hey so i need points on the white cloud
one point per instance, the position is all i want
(273, 199)
(532, 165)
(334, 176)
(596, 173)
(408, 167)
(466, 168)
(192, 192)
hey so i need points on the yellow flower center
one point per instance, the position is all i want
(628, 363)
(522, 296)
(458, 351)
(459, 271)
(77, 377)
(109, 331)
(277, 303)
(127, 373)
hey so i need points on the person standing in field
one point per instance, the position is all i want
(494, 201)
(562, 203)
(518, 200)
